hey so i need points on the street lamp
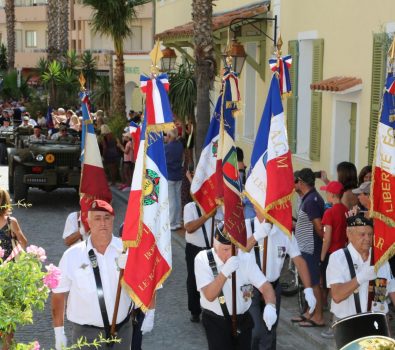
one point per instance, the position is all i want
(235, 56)
(168, 61)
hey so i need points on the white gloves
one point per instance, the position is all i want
(310, 298)
(60, 338)
(121, 261)
(262, 230)
(148, 323)
(231, 265)
(365, 274)
(270, 316)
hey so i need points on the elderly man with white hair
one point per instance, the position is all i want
(213, 271)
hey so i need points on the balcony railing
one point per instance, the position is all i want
(25, 3)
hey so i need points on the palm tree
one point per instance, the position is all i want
(202, 11)
(63, 26)
(9, 9)
(113, 18)
(53, 29)
(71, 61)
(88, 67)
(51, 78)
(182, 93)
(102, 95)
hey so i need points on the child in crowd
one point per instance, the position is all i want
(334, 225)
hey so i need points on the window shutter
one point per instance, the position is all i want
(380, 46)
(353, 131)
(316, 100)
(292, 101)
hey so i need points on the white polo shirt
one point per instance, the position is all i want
(247, 273)
(338, 272)
(278, 246)
(73, 224)
(78, 279)
(197, 238)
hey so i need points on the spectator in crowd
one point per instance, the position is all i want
(347, 175)
(363, 193)
(32, 121)
(308, 234)
(174, 151)
(37, 136)
(26, 123)
(62, 135)
(365, 175)
(111, 155)
(59, 117)
(75, 123)
(41, 120)
(128, 161)
(334, 226)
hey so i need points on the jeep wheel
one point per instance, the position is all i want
(20, 189)
(10, 182)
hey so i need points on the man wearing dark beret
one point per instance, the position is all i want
(213, 270)
(350, 294)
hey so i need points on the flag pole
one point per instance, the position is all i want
(116, 306)
(212, 231)
(234, 304)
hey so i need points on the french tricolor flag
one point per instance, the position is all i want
(270, 183)
(203, 187)
(157, 106)
(93, 184)
(146, 231)
(383, 186)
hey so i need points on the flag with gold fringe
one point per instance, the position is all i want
(383, 179)
(229, 186)
(270, 183)
(146, 232)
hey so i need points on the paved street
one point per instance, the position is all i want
(43, 225)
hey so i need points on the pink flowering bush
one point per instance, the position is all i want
(24, 288)
(51, 279)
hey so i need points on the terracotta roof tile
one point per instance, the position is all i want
(336, 84)
(221, 20)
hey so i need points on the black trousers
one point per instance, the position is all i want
(193, 295)
(219, 331)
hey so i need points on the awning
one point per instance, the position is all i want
(220, 20)
(338, 84)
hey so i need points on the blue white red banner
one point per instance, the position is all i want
(229, 186)
(146, 231)
(157, 105)
(270, 184)
(383, 186)
(203, 186)
(93, 184)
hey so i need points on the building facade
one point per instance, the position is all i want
(31, 29)
(338, 72)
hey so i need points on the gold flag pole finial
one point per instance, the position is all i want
(279, 45)
(82, 81)
(156, 55)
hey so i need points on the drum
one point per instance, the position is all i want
(358, 326)
(374, 342)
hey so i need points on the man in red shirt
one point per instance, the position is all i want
(334, 226)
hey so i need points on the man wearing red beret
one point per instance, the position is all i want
(89, 274)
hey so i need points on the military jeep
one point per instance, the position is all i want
(46, 164)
